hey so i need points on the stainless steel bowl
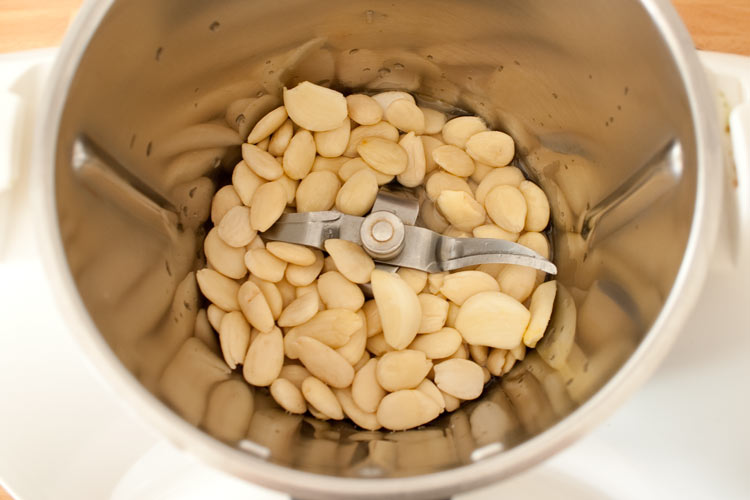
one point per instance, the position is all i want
(611, 115)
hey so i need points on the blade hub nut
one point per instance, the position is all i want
(382, 234)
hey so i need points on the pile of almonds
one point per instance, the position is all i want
(295, 317)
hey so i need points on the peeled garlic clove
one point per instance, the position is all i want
(491, 147)
(315, 108)
(398, 307)
(477, 320)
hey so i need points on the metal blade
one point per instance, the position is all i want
(312, 229)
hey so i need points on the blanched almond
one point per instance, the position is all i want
(434, 313)
(480, 172)
(322, 398)
(398, 307)
(460, 209)
(492, 147)
(399, 370)
(291, 253)
(264, 358)
(234, 336)
(459, 286)
(535, 241)
(477, 320)
(431, 217)
(428, 388)
(496, 361)
(537, 206)
(458, 130)
(451, 403)
(288, 396)
(323, 164)
(385, 99)
(506, 207)
(517, 281)
(479, 354)
(360, 417)
(245, 182)
(267, 125)
(269, 203)
(454, 160)
(219, 289)
(441, 344)
(405, 115)
(354, 165)
(280, 139)
(372, 318)
(363, 109)
(357, 195)
(383, 155)
(304, 275)
(493, 231)
(353, 350)
(332, 143)
(415, 278)
(366, 391)
(333, 327)
(542, 301)
(406, 409)
(315, 108)
(325, 363)
(430, 144)
(215, 314)
(224, 200)
(433, 121)
(443, 181)
(337, 292)
(287, 291)
(510, 176)
(254, 306)
(265, 265)
(261, 162)
(350, 259)
(300, 310)
(271, 294)
(300, 155)
(377, 345)
(226, 259)
(382, 129)
(290, 188)
(295, 374)
(460, 378)
(435, 281)
(317, 192)
(235, 228)
(414, 174)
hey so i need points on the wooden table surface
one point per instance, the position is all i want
(719, 25)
